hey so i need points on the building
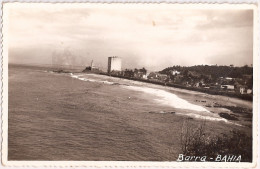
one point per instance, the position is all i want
(157, 76)
(228, 78)
(228, 87)
(174, 72)
(249, 91)
(114, 64)
(240, 89)
(140, 73)
(197, 84)
(92, 65)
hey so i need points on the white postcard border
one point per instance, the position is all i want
(4, 108)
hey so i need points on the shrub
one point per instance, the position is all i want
(196, 142)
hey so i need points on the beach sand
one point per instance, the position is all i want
(57, 117)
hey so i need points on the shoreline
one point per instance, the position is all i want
(182, 93)
(225, 107)
(54, 103)
(170, 85)
(201, 90)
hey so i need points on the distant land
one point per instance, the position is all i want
(213, 70)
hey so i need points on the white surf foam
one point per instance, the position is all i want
(89, 79)
(164, 97)
(168, 98)
(198, 116)
(216, 118)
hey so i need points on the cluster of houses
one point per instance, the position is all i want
(185, 78)
(175, 77)
(228, 84)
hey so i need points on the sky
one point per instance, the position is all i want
(150, 36)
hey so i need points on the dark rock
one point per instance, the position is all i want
(228, 116)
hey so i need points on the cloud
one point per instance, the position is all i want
(149, 37)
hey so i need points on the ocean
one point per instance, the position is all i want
(79, 116)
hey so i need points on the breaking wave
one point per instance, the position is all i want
(167, 98)
(89, 79)
(162, 97)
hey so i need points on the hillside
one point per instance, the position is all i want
(215, 71)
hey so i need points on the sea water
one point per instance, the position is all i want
(163, 97)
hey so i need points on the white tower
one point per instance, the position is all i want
(114, 63)
(92, 65)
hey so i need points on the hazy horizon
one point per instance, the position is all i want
(154, 37)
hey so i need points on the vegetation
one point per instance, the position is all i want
(213, 92)
(195, 141)
(214, 70)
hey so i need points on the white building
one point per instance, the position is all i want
(242, 90)
(175, 72)
(228, 78)
(114, 63)
(229, 87)
(249, 91)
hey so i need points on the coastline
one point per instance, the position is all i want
(226, 96)
(97, 114)
(244, 97)
(232, 100)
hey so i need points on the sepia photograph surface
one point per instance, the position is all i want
(129, 82)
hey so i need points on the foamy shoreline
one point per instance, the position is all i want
(162, 96)
(234, 100)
